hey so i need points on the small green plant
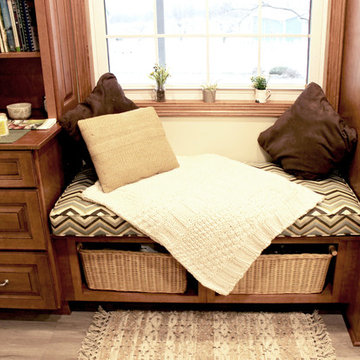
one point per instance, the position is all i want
(259, 82)
(160, 74)
(209, 86)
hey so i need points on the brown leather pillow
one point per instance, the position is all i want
(310, 139)
(106, 98)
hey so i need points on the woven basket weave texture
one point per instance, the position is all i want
(285, 274)
(132, 271)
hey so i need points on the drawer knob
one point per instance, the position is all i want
(4, 283)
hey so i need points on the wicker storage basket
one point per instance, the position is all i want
(132, 271)
(285, 274)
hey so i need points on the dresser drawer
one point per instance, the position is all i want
(25, 281)
(21, 224)
(17, 169)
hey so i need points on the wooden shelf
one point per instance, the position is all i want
(85, 294)
(229, 108)
(20, 55)
(322, 298)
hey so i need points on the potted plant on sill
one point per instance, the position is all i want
(209, 92)
(260, 84)
(160, 74)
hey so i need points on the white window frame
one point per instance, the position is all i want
(316, 74)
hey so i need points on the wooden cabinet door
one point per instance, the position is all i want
(25, 281)
(57, 50)
(21, 226)
(17, 169)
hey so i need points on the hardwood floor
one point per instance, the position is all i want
(34, 336)
(26, 335)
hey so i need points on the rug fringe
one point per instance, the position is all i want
(326, 351)
(91, 345)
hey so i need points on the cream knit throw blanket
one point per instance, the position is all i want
(213, 214)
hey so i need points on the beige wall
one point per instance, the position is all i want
(235, 138)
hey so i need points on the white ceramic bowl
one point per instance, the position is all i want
(19, 111)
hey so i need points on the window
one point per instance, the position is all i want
(222, 41)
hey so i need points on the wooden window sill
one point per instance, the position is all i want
(228, 108)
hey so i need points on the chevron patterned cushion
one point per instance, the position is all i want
(72, 215)
(337, 215)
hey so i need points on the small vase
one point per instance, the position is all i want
(261, 96)
(160, 95)
(209, 95)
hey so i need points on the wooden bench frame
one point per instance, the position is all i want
(341, 291)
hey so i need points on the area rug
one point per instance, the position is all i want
(203, 335)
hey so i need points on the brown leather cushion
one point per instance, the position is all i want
(310, 139)
(127, 147)
(106, 98)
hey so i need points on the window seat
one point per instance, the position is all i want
(78, 224)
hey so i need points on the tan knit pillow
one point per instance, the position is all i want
(127, 147)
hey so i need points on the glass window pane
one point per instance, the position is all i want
(233, 16)
(182, 17)
(285, 60)
(186, 60)
(233, 60)
(285, 16)
(131, 60)
(136, 17)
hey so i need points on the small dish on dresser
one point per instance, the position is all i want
(19, 111)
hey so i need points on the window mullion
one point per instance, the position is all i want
(207, 44)
(309, 43)
(259, 37)
(160, 29)
(156, 33)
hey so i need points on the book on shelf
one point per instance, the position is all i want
(33, 27)
(29, 24)
(3, 33)
(7, 25)
(22, 27)
(13, 25)
(2, 48)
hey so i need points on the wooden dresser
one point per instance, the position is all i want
(31, 180)
(31, 177)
